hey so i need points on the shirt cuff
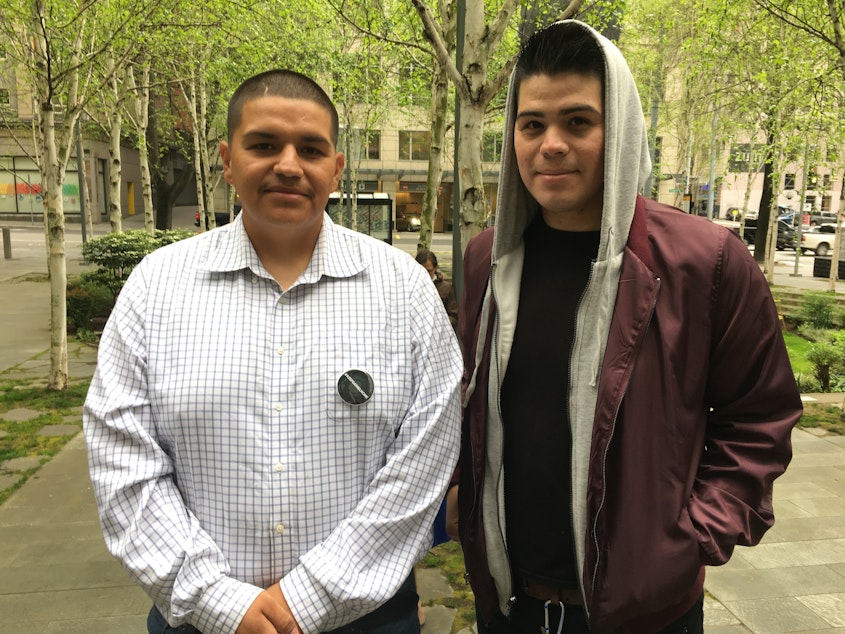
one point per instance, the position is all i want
(223, 605)
(309, 603)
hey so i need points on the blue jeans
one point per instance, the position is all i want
(397, 616)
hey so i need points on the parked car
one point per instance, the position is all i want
(819, 240)
(785, 239)
(407, 221)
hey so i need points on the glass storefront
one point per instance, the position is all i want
(21, 191)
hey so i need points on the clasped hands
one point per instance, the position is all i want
(269, 614)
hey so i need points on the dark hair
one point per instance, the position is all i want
(426, 256)
(563, 47)
(279, 83)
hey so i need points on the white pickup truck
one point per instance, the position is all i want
(819, 240)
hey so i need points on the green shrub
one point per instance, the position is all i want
(87, 298)
(819, 309)
(116, 254)
(824, 356)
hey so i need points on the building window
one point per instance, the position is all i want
(826, 200)
(491, 147)
(5, 98)
(789, 181)
(414, 145)
(365, 144)
(825, 181)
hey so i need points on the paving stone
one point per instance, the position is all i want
(717, 615)
(58, 430)
(776, 615)
(72, 418)
(22, 464)
(831, 607)
(817, 431)
(7, 480)
(20, 415)
(431, 584)
(438, 619)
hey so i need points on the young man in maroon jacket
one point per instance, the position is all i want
(629, 399)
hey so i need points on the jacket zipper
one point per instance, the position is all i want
(607, 448)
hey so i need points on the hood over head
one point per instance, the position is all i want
(626, 155)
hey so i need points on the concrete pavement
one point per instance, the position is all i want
(56, 575)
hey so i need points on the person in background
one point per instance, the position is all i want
(629, 399)
(445, 289)
(275, 410)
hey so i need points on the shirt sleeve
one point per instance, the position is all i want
(754, 404)
(365, 559)
(145, 522)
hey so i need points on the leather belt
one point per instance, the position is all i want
(568, 596)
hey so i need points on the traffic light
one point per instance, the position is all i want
(812, 179)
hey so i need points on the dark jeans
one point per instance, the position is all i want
(528, 617)
(397, 616)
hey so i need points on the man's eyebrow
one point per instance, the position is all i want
(562, 112)
(308, 138)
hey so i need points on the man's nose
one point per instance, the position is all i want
(287, 162)
(555, 141)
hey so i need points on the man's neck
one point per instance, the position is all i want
(284, 254)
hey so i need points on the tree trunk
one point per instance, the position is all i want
(54, 226)
(837, 241)
(761, 239)
(473, 201)
(115, 163)
(439, 111)
(141, 120)
(115, 175)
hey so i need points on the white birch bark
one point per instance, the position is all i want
(115, 163)
(189, 90)
(140, 119)
(439, 113)
(474, 91)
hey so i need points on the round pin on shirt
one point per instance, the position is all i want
(355, 387)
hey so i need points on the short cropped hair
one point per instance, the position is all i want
(563, 47)
(279, 83)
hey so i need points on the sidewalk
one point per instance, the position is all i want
(56, 575)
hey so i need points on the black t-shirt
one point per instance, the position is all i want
(535, 404)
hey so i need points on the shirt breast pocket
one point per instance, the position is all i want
(370, 383)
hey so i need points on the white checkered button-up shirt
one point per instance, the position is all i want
(222, 455)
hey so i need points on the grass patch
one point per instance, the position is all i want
(449, 559)
(798, 347)
(22, 439)
(827, 417)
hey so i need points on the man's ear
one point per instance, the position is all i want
(340, 162)
(226, 157)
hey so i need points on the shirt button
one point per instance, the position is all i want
(277, 407)
(280, 528)
(283, 299)
(280, 350)
(278, 467)
(255, 279)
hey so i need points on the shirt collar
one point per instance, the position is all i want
(336, 254)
